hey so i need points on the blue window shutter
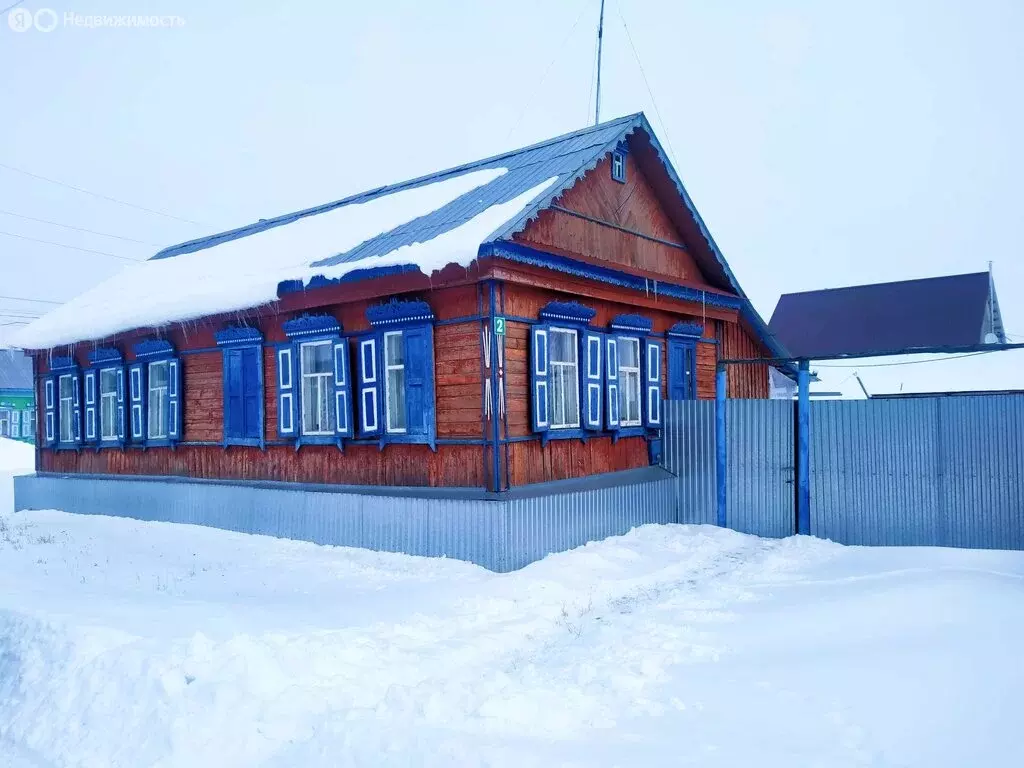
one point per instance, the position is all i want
(120, 406)
(137, 400)
(91, 421)
(652, 384)
(234, 411)
(76, 408)
(342, 389)
(612, 382)
(370, 381)
(591, 380)
(419, 382)
(50, 410)
(252, 392)
(287, 400)
(174, 400)
(539, 373)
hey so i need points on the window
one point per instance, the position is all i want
(28, 424)
(66, 405)
(5, 423)
(318, 417)
(563, 391)
(619, 166)
(108, 404)
(630, 390)
(159, 398)
(394, 366)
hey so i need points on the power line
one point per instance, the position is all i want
(71, 247)
(547, 71)
(650, 91)
(11, 7)
(25, 298)
(98, 195)
(77, 229)
(912, 362)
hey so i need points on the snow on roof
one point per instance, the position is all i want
(245, 273)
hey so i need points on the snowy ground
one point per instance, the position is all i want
(138, 644)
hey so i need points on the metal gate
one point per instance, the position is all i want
(759, 464)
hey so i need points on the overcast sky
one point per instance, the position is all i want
(824, 143)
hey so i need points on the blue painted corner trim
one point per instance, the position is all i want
(308, 325)
(687, 329)
(238, 335)
(106, 355)
(637, 323)
(396, 312)
(571, 311)
(63, 364)
(153, 348)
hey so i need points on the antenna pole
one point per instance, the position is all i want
(600, 36)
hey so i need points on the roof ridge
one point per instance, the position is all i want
(436, 176)
(891, 282)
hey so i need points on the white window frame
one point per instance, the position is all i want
(5, 422)
(388, 367)
(69, 409)
(326, 381)
(163, 397)
(28, 427)
(626, 371)
(100, 401)
(553, 372)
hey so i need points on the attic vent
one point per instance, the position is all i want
(619, 166)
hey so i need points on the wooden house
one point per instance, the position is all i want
(509, 324)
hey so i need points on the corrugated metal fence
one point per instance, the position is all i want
(945, 471)
(759, 440)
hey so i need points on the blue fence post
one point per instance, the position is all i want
(803, 464)
(720, 446)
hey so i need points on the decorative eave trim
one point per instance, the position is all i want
(63, 364)
(525, 255)
(687, 329)
(397, 312)
(570, 311)
(637, 323)
(309, 325)
(236, 335)
(319, 281)
(106, 355)
(622, 147)
(153, 348)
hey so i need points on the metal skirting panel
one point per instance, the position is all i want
(943, 471)
(689, 453)
(761, 492)
(538, 526)
(501, 535)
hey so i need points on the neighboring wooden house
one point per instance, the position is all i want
(509, 322)
(17, 403)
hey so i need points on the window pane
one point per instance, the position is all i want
(157, 375)
(316, 358)
(393, 348)
(563, 346)
(65, 387)
(396, 398)
(629, 353)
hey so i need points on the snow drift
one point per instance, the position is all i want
(133, 643)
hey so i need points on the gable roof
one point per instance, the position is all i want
(949, 311)
(426, 222)
(15, 370)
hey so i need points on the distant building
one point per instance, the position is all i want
(897, 318)
(17, 401)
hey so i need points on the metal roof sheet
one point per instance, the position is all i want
(15, 370)
(949, 311)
